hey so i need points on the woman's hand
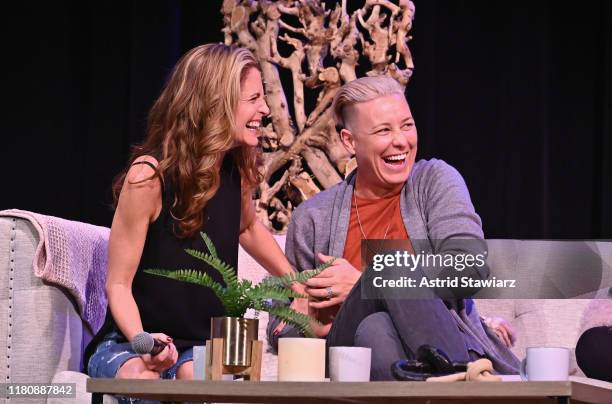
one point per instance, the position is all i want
(332, 286)
(321, 330)
(302, 306)
(502, 329)
(299, 305)
(163, 360)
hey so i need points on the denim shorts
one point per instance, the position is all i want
(114, 351)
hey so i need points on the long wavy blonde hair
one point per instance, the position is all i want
(191, 127)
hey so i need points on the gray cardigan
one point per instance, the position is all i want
(436, 209)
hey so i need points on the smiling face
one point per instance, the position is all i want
(382, 135)
(251, 109)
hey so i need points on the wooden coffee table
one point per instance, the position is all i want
(581, 389)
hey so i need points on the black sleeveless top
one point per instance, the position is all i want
(179, 309)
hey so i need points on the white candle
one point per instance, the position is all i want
(301, 360)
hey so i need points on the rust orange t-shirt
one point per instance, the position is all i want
(375, 215)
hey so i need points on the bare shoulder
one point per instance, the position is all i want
(141, 193)
(141, 175)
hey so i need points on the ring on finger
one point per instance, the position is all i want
(330, 292)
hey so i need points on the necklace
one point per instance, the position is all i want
(365, 237)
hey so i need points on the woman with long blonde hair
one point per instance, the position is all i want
(196, 171)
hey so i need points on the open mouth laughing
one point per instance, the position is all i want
(395, 159)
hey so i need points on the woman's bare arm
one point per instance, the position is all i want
(139, 204)
(257, 240)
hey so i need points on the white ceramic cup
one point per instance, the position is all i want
(301, 360)
(546, 364)
(349, 364)
(199, 362)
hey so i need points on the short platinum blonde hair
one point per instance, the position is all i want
(361, 90)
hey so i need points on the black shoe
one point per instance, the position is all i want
(430, 362)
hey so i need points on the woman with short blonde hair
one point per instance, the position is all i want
(363, 90)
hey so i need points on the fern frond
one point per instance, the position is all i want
(209, 245)
(300, 277)
(227, 271)
(234, 308)
(299, 320)
(239, 295)
(263, 292)
(191, 276)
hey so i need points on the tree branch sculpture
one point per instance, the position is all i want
(321, 48)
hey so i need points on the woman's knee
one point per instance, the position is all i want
(185, 371)
(135, 369)
(377, 332)
(374, 327)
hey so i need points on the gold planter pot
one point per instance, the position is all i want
(238, 334)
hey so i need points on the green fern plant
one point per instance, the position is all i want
(239, 295)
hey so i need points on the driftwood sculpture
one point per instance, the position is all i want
(321, 48)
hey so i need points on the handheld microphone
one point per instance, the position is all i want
(144, 343)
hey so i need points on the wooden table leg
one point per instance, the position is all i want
(254, 373)
(214, 359)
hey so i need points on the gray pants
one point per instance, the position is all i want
(377, 332)
(395, 328)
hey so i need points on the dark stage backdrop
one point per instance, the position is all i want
(516, 96)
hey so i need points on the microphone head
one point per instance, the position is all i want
(143, 343)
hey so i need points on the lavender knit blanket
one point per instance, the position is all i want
(72, 255)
